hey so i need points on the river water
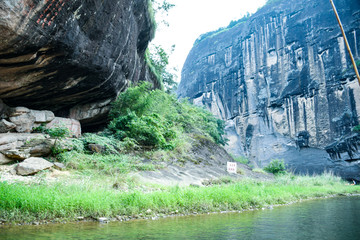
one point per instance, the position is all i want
(336, 218)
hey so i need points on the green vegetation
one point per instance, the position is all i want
(276, 166)
(158, 60)
(156, 57)
(241, 159)
(155, 119)
(356, 128)
(232, 24)
(269, 2)
(105, 164)
(145, 124)
(55, 132)
(26, 203)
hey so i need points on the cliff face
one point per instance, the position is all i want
(72, 57)
(284, 83)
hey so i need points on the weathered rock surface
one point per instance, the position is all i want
(23, 119)
(4, 159)
(42, 116)
(205, 162)
(19, 146)
(17, 154)
(6, 126)
(32, 165)
(73, 125)
(13, 140)
(72, 56)
(284, 82)
(59, 166)
(40, 147)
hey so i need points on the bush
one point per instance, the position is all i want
(109, 143)
(276, 166)
(155, 119)
(356, 128)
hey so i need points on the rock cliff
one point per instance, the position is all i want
(284, 83)
(72, 57)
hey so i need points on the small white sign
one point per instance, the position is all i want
(231, 167)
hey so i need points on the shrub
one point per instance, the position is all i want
(153, 118)
(109, 143)
(57, 133)
(276, 166)
(356, 128)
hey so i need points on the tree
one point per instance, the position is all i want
(158, 58)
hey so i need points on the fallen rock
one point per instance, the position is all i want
(4, 159)
(17, 154)
(71, 124)
(6, 126)
(59, 166)
(32, 165)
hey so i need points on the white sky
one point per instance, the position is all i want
(191, 18)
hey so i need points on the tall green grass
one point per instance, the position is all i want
(24, 203)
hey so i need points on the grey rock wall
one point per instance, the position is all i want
(72, 57)
(283, 81)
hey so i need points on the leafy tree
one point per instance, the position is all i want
(158, 60)
(161, 10)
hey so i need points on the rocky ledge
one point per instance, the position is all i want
(72, 57)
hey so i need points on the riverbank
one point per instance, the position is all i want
(89, 200)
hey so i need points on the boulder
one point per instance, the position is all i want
(32, 165)
(40, 147)
(42, 116)
(4, 159)
(6, 126)
(17, 111)
(23, 119)
(17, 154)
(11, 141)
(59, 166)
(71, 124)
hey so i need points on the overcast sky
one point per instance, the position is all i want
(191, 18)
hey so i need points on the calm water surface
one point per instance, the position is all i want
(337, 218)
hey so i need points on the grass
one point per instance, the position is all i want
(105, 164)
(241, 159)
(27, 203)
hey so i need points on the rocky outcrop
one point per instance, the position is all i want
(24, 120)
(32, 165)
(72, 57)
(283, 81)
